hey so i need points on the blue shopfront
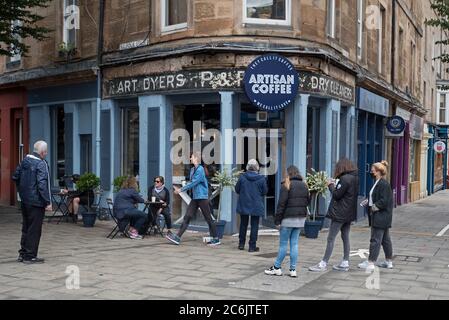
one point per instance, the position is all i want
(372, 111)
(144, 116)
(437, 172)
(65, 117)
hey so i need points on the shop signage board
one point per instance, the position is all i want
(373, 103)
(439, 147)
(176, 81)
(416, 127)
(271, 82)
(396, 126)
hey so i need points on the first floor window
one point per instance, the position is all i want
(174, 15)
(16, 56)
(71, 24)
(442, 113)
(267, 11)
(331, 18)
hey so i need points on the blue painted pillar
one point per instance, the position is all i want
(227, 153)
(350, 134)
(300, 132)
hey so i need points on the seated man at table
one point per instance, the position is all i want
(73, 196)
(162, 195)
(125, 208)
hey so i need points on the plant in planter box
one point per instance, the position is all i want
(317, 183)
(87, 184)
(66, 50)
(117, 183)
(224, 179)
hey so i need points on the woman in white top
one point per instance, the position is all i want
(380, 206)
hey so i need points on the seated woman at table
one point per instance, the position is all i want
(125, 208)
(161, 193)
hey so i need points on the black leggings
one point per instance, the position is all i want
(191, 210)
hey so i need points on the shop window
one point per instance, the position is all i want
(173, 15)
(71, 22)
(58, 142)
(276, 12)
(130, 141)
(313, 138)
(414, 159)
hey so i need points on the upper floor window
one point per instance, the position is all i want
(275, 12)
(16, 56)
(71, 23)
(442, 109)
(359, 28)
(331, 19)
(173, 15)
(381, 39)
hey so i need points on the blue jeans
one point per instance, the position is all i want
(137, 219)
(286, 235)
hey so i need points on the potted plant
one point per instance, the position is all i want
(86, 184)
(66, 51)
(317, 184)
(117, 183)
(224, 180)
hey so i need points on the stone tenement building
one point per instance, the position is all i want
(145, 68)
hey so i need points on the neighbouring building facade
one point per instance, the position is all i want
(144, 70)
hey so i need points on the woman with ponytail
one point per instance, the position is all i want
(380, 209)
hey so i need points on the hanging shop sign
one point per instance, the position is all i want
(396, 125)
(271, 82)
(439, 147)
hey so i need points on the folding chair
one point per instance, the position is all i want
(116, 229)
(155, 226)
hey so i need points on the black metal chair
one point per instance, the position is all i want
(155, 226)
(116, 229)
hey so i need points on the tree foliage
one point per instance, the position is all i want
(12, 34)
(441, 8)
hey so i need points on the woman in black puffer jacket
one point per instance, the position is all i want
(290, 216)
(342, 211)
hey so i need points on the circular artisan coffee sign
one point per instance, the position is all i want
(439, 147)
(271, 82)
(396, 125)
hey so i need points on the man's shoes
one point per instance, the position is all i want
(33, 261)
(256, 249)
(241, 247)
(173, 238)
(20, 258)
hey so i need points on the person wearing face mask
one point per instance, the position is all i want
(380, 208)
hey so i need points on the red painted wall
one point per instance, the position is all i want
(13, 106)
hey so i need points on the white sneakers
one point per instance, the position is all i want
(343, 266)
(367, 266)
(386, 265)
(273, 271)
(278, 272)
(320, 267)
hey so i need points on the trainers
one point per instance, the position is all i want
(386, 265)
(173, 238)
(135, 236)
(20, 258)
(273, 271)
(320, 267)
(369, 267)
(214, 242)
(293, 273)
(33, 261)
(343, 266)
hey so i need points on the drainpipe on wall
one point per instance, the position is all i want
(99, 91)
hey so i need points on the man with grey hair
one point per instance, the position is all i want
(32, 178)
(251, 188)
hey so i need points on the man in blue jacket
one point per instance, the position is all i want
(32, 178)
(200, 199)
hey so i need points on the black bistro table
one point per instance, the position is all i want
(152, 208)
